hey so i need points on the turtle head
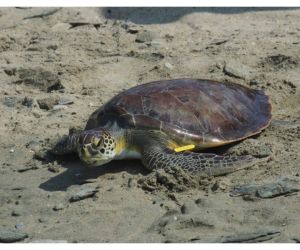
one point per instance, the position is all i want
(96, 147)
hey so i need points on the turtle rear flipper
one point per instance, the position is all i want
(196, 163)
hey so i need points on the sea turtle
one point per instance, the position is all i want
(155, 121)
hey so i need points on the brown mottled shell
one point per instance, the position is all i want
(204, 112)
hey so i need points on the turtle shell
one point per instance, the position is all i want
(207, 113)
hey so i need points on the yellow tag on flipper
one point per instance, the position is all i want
(183, 148)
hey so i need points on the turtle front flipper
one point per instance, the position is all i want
(66, 145)
(195, 163)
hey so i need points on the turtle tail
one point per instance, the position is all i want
(66, 145)
(196, 163)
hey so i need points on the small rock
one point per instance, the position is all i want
(12, 150)
(48, 102)
(27, 101)
(42, 154)
(131, 29)
(42, 220)
(203, 202)
(155, 44)
(168, 65)
(132, 183)
(62, 27)
(189, 207)
(58, 207)
(64, 101)
(144, 36)
(237, 70)
(259, 236)
(19, 226)
(10, 71)
(253, 82)
(27, 167)
(83, 194)
(282, 186)
(52, 46)
(10, 101)
(37, 114)
(15, 213)
(33, 145)
(54, 167)
(219, 185)
(87, 91)
(59, 107)
(296, 239)
(7, 236)
(219, 41)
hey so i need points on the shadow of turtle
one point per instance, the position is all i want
(78, 174)
(159, 15)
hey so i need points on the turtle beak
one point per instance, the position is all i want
(86, 145)
(94, 148)
(88, 150)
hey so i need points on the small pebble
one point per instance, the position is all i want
(238, 70)
(42, 220)
(19, 226)
(52, 46)
(83, 194)
(64, 101)
(8, 236)
(41, 155)
(10, 101)
(281, 186)
(168, 65)
(15, 213)
(219, 185)
(132, 183)
(27, 101)
(54, 168)
(155, 44)
(189, 207)
(144, 36)
(58, 207)
(33, 145)
(37, 114)
(48, 102)
(59, 107)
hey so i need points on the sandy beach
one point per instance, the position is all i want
(58, 65)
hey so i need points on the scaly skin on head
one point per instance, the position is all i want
(95, 147)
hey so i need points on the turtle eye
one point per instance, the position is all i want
(99, 142)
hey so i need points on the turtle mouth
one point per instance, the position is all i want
(94, 161)
(93, 156)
